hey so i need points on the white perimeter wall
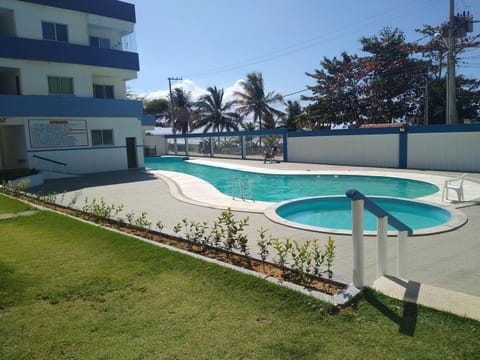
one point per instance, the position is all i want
(91, 159)
(456, 151)
(356, 150)
(156, 140)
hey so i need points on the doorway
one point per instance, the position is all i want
(131, 152)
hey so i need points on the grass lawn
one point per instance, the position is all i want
(70, 290)
(12, 206)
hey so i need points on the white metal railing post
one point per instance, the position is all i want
(402, 256)
(382, 236)
(357, 237)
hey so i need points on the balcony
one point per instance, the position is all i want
(67, 106)
(108, 8)
(45, 50)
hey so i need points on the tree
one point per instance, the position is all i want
(337, 94)
(156, 106)
(160, 108)
(292, 113)
(213, 114)
(384, 86)
(436, 48)
(254, 101)
(467, 90)
(393, 76)
(468, 100)
(182, 104)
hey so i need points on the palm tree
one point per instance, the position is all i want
(182, 103)
(292, 112)
(213, 114)
(254, 101)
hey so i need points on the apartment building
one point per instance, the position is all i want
(64, 65)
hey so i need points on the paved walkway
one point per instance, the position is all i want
(11, 216)
(446, 261)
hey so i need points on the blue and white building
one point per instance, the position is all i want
(64, 65)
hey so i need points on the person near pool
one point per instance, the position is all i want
(270, 154)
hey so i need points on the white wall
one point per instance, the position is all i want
(356, 150)
(457, 151)
(29, 17)
(156, 140)
(34, 77)
(89, 159)
(33, 74)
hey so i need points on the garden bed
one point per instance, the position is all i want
(325, 287)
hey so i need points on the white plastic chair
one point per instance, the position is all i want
(456, 185)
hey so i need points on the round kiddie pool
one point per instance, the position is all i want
(333, 214)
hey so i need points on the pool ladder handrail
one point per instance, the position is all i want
(241, 187)
(359, 203)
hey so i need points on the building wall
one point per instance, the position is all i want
(34, 77)
(29, 17)
(88, 158)
(38, 115)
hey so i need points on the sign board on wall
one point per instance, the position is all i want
(57, 133)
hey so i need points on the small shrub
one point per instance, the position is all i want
(264, 244)
(143, 221)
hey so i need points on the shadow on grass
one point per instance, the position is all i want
(407, 321)
(12, 285)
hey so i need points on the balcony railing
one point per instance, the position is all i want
(33, 105)
(61, 52)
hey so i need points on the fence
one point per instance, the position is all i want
(436, 147)
(238, 145)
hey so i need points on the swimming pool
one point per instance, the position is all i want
(280, 187)
(334, 213)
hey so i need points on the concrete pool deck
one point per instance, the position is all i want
(444, 264)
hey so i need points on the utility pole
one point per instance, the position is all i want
(451, 96)
(425, 109)
(173, 117)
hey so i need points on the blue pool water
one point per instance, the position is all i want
(276, 188)
(335, 213)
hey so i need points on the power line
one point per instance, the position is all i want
(296, 92)
(301, 46)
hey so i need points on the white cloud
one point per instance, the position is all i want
(194, 89)
(228, 92)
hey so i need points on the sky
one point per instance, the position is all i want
(217, 42)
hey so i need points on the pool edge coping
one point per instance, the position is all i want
(458, 218)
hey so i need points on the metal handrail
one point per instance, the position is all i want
(379, 212)
(360, 202)
(49, 160)
(241, 187)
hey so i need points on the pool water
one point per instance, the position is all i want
(276, 188)
(336, 213)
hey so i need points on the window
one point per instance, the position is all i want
(103, 91)
(100, 42)
(102, 137)
(60, 85)
(56, 32)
